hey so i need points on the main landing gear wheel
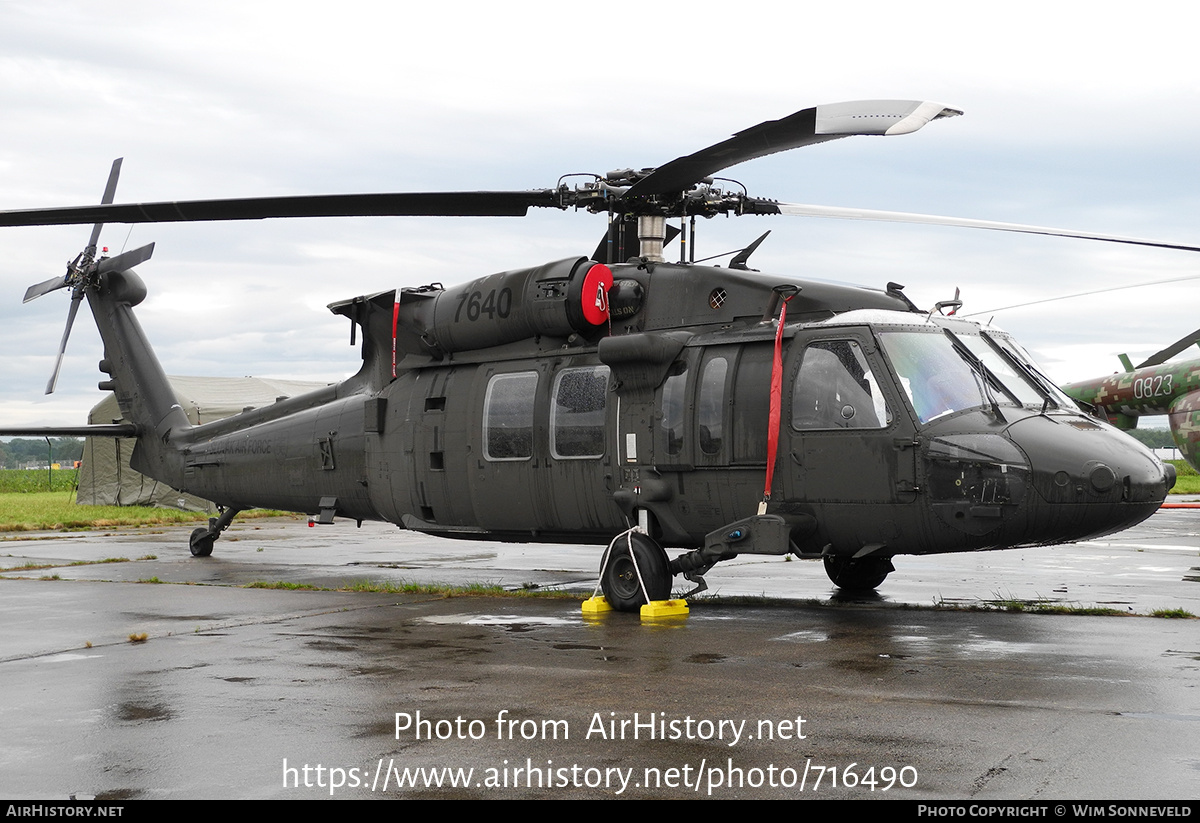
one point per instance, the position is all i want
(201, 543)
(862, 574)
(619, 580)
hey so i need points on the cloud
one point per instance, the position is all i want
(1080, 119)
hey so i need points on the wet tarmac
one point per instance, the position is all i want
(264, 693)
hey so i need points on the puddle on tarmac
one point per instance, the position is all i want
(497, 620)
(805, 636)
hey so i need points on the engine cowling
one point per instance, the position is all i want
(557, 299)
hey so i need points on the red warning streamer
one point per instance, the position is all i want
(776, 403)
(395, 322)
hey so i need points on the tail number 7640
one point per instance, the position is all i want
(493, 305)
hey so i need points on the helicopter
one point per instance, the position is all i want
(624, 399)
(1153, 387)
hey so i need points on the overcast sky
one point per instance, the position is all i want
(1078, 115)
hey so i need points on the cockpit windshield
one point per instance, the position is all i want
(1014, 350)
(945, 372)
(936, 378)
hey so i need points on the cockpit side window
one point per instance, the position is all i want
(835, 389)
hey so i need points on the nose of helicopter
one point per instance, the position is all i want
(1088, 478)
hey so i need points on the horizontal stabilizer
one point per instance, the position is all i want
(97, 430)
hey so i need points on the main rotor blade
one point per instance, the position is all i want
(76, 298)
(127, 260)
(804, 128)
(110, 191)
(400, 204)
(755, 206)
(1170, 351)
(45, 287)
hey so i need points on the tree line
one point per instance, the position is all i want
(1153, 438)
(21, 452)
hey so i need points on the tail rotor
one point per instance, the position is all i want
(84, 272)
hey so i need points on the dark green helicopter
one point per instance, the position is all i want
(716, 411)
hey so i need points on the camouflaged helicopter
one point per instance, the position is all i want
(1153, 387)
(622, 399)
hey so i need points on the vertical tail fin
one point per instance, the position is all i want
(141, 387)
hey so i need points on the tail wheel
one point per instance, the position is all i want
(620, 577)
(864, 573)
(201, 543)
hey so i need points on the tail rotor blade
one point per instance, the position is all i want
(127, 260)
(110, 191)
(62, 346)
(83, 272)
(37, 290)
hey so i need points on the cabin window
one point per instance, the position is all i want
(673, 407)
(710, 414)
(577, 413)
(508, 416)
(835, 389)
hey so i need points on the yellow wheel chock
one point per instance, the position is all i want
(658, 609)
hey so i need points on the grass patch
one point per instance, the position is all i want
(1066, 608)
(139, 637)
(31, 566)
(40, 511)
(1186, 485)
(1180, 614)
(1012, 604)
(23, 481)
(34, 565)
(444, 590)
(403, 587)
(1183, 468)
(1187, 481)
(281, 584)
